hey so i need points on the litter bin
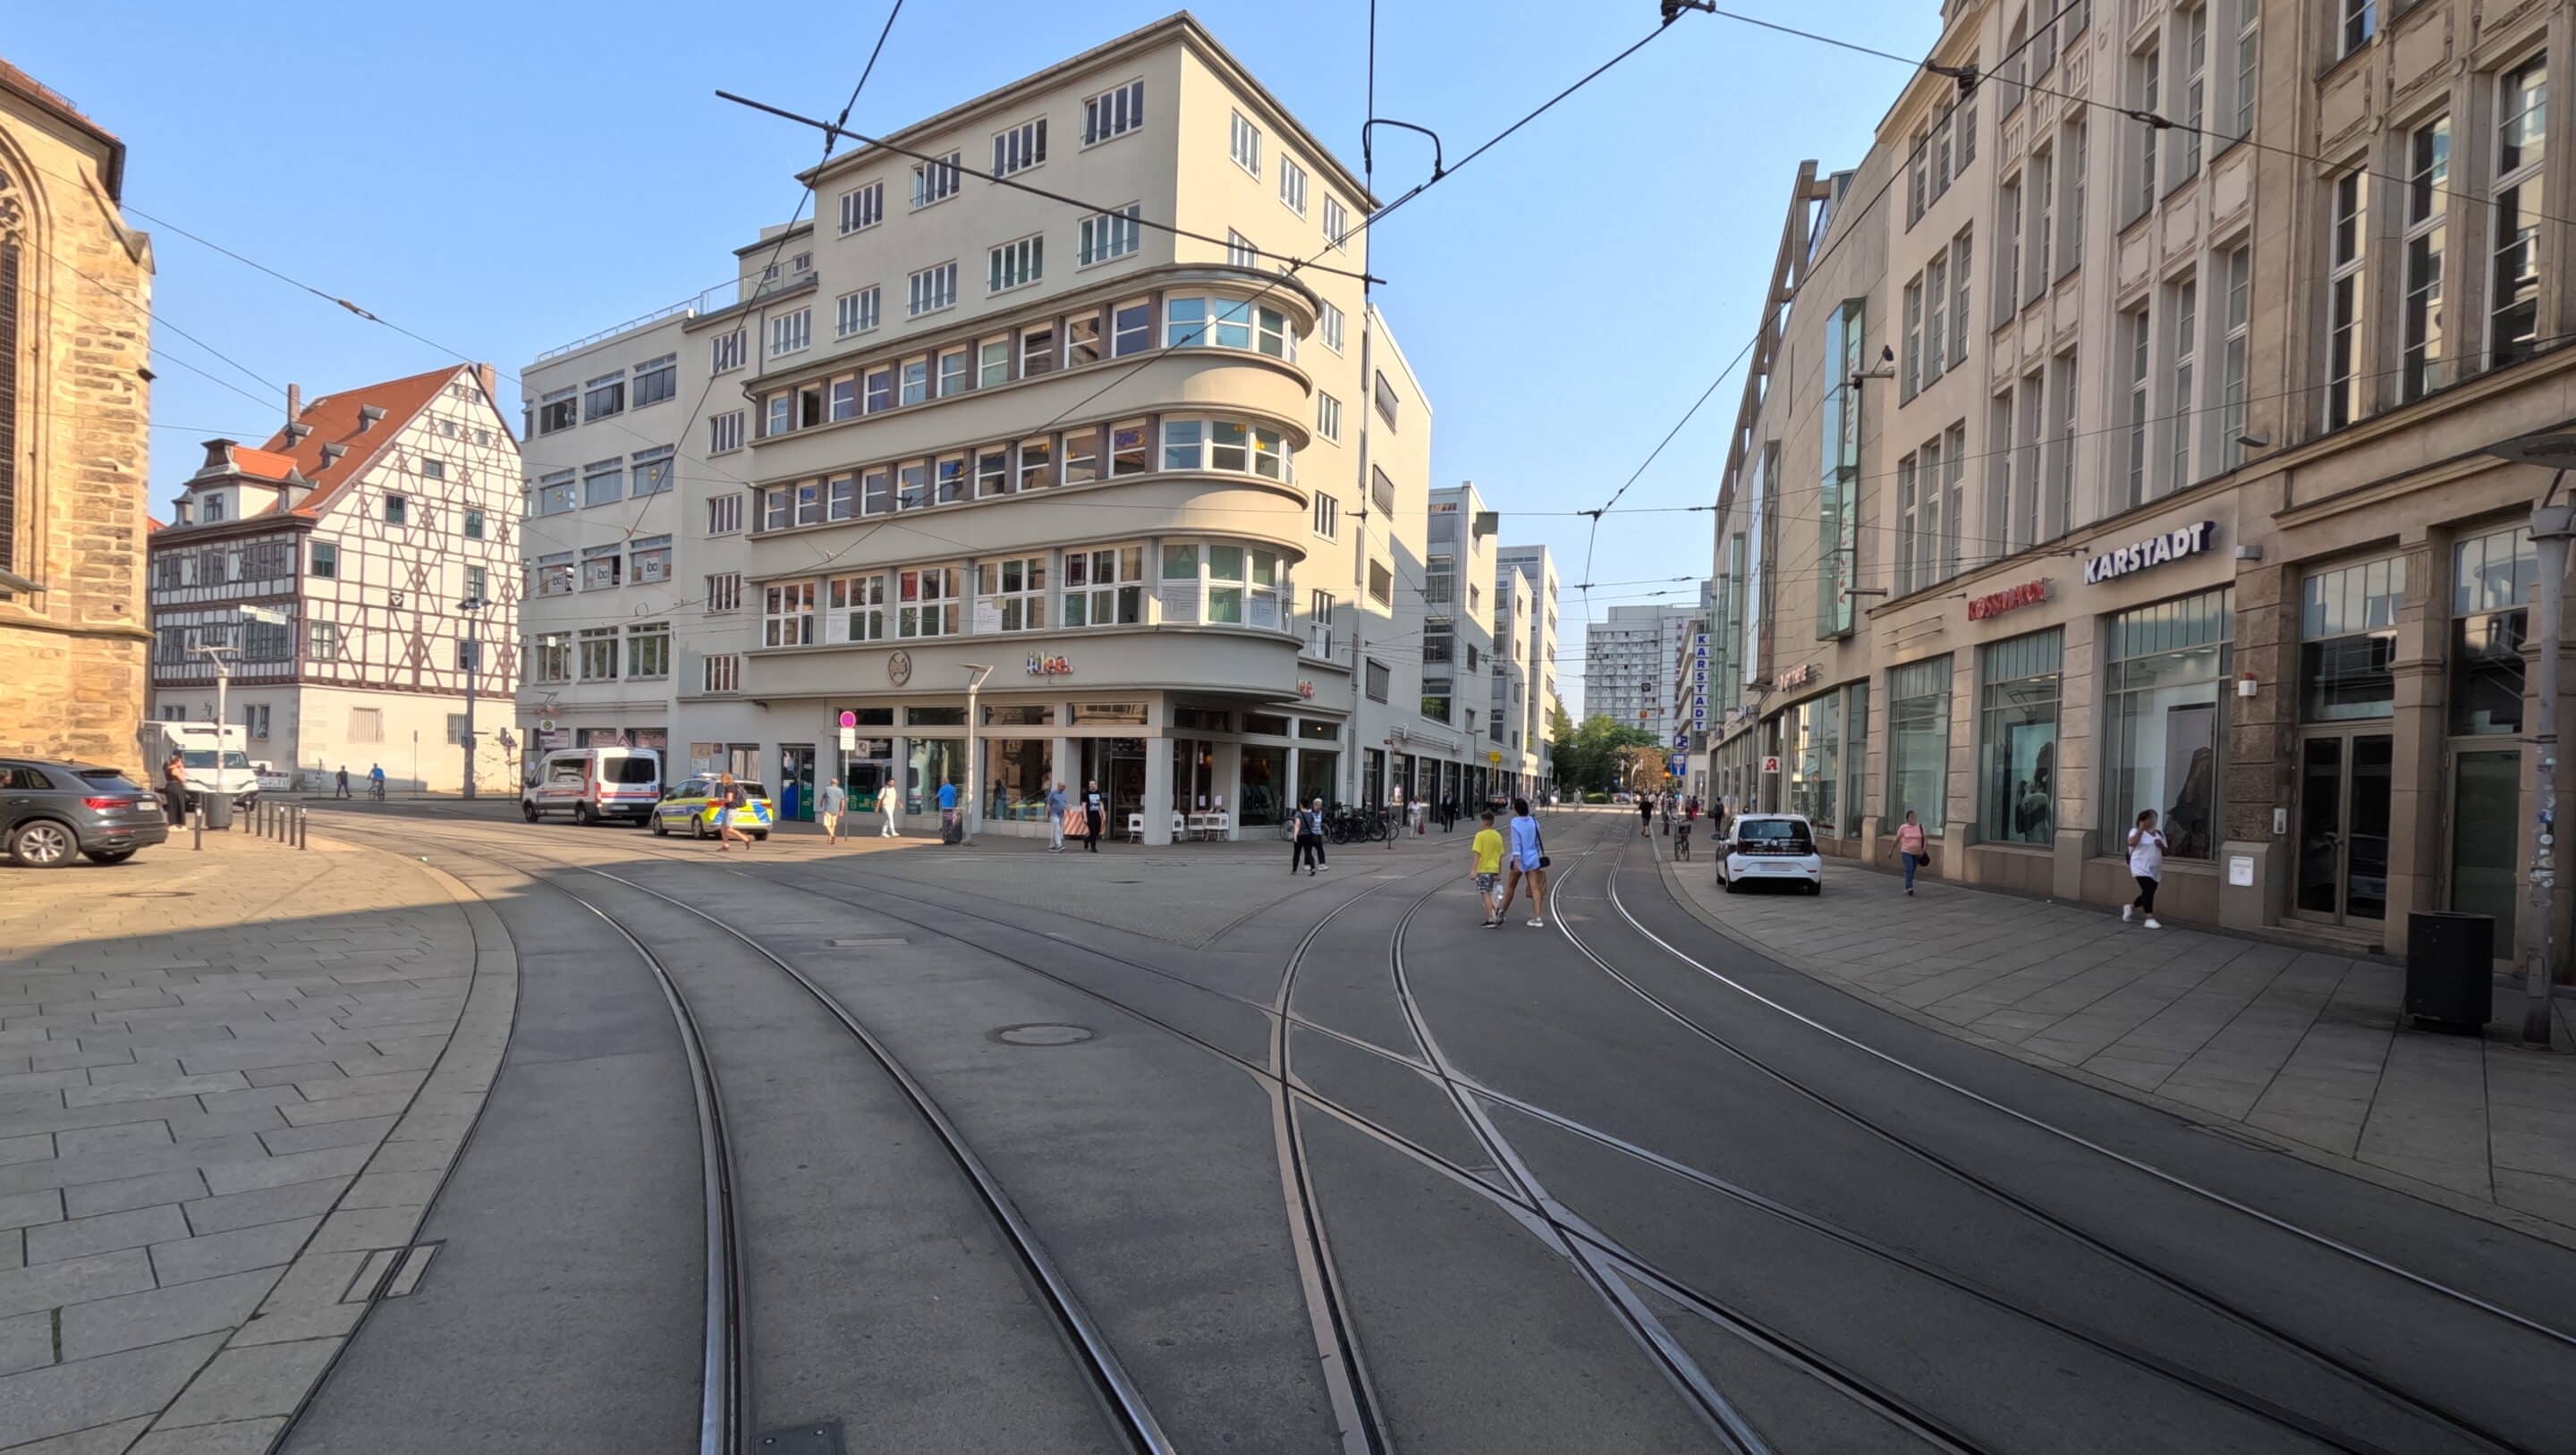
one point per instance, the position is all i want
(2450, 974)
(217, 808)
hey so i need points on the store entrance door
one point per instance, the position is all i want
(796, 781)
(1118, 766)
(2344, 782)
(2484, 874)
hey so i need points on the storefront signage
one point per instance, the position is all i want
(1044, 666)
(2028, 593)
(899, 668)
(1771, 764)
(1797, 677)
(2155, 550)
(1305, 689)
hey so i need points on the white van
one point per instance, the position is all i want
(211, 760)
(588, 785)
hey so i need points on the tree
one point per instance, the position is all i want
(1587, 757)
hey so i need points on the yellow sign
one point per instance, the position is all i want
(1494, 758)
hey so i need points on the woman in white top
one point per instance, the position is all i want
(2147, 865)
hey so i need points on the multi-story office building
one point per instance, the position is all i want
(381, 524)
(1458, 638)
(75, 338)
(2175, 493)
(1628, 661)
(1164, 493)
(1525, 646)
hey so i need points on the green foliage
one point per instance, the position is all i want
(1588, 756)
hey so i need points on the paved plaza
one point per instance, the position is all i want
(2305, 1049)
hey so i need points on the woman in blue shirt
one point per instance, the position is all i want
(1525, 856)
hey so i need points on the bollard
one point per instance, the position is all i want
(198, 823)
(303, 822)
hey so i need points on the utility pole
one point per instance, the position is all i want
(974, 795)
(223, 698)
(2553, 525)
(472, 607)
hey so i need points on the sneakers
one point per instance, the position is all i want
(2128, 912)
(2151, 923)
(1538, 924)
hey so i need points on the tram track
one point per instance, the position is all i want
(1602, 1259)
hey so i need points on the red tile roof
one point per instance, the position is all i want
(333, 420)
(261, 464)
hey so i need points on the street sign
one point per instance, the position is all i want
(265, 615)
(1771, 764)
(849, 720)
(849, 738)
(1494, 758)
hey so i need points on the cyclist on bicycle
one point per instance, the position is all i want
(376, 782)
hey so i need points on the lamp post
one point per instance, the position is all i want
(2553, 524)
(975, 675)
(471, 608)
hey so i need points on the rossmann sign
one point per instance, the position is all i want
(2155, 550)
(1996, 603)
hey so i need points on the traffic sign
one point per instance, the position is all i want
(849, 738)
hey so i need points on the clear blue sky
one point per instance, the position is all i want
(503, 178)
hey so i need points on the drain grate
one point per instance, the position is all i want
(1043, 1034)
(818, 1437)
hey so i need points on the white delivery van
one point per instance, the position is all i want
(588, 785)
(213, 758)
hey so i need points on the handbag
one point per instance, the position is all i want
(1543, 860)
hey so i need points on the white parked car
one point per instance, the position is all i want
(1777, 848)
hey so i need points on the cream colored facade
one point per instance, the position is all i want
(1172, 494)
(2195, 514)
(75, 334)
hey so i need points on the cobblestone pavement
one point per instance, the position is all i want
(2305, 1048)
(230, 1081)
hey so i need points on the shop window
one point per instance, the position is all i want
(2018, 686)
(2166, 675)
(2348, 641)
(2492, 577)
(1855, 754)
(1812, 733)
(1918, 744)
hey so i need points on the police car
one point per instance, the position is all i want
(692, 808)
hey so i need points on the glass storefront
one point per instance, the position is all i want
(1318, 776)
(1855, 755)
(932, 761)
(1017, 772)
(1812, 732)
(2348, 641)
(2018, 686)
(1918, 742)
(2163, 702)
(1265, 785)
(2493, 577)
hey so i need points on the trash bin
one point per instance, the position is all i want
(217, 809)
(2450, 971)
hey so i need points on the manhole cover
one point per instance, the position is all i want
(1043, 1035)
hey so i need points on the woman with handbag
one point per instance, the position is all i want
(1526, 858)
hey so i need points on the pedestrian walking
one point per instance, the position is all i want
(828, 808)
(174, 786)
(1645, 815)
(948, 831)
(1093, 811)
(729, 797)
(1056, 805)
(1525, 853)
(1910, 847)
(1485, 855)
(1309, 851)
(342, 790)
(1681, 839)
(2147, 866)
(886, 801)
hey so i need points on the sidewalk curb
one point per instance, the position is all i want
(2514, 1219)
(270, 1366)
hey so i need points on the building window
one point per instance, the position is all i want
(721, 672)
(473, 524)
(724, 432)
(558, 409)
(724, 593)
(2360, 23)
(1015, 264)
(322, 641)
(724, 514)
(1381, 583)
(2070, 248)
(1909, 382)
(1226, 445)
(649, 471)
(1011, 594)
(1961, 271)
(2185, 411)
(603, 482)
(549, 658)
(859, 311)
(1838, 451)
(926, 601)
(1918, 742)
(2140, 336)
(649, 559)
(1292, 186)
(2195, 86)
(322, 561)
(1378, 680)
(2167, 668)
(2043, 225)
(2428, 176)
(478, 585)
(1328, 323)
(397, 510)
(1245, 146)
(1114, 112)
(2148, 71)
(1239, 251)
(1384, 397)
(2347, 248)
(598, 653)
(648, 650)
(602, 567)
(933, 289)
(1104, 587)
(2348, 641)
(1337, 224)
(553, 574)
(1328, 517)
(1811, 737)
(791, 332)
(2018, 690)
(2513, 292)
(862, 208)
(2231, 411)
(2248, 23)
(2492, 581)
(1113, 234)
(725, 352)
(857, 610)
(1328, 416)
(1020, 148)
(787, 614)
(935, 181)
(604, 396)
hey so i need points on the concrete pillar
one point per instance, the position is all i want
(1157, 805)
(1064, 767)
(2259, 733)
(1225, 780)
(2418, 784)
(901, 775)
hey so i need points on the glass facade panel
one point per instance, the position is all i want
(1918, 742)
(2492, 579)
(1855, 755)
(2019, 686)
(1017, 772)
(932, 761)
(2486, 808)
(2163, 710)
(2348, 641)
(1812, 731)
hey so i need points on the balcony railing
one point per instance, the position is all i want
(712, 300)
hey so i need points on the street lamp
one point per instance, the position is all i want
(470, 608)
(2553, 524)
(975, 675)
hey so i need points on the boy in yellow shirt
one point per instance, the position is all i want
(1487, 847)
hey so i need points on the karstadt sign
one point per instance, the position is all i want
(2155, 550)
